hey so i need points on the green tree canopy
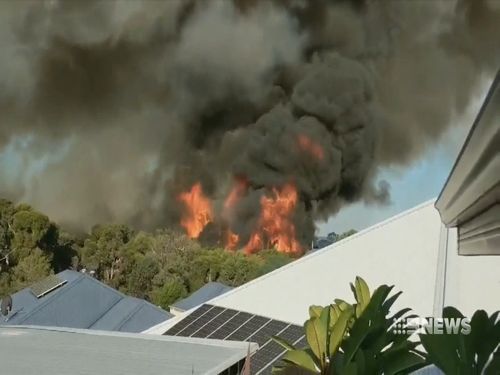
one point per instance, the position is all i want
(170, 292)
(31, 269)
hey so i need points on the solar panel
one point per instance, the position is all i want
(249, 328)
(201, 321)
(47, 285)
(302, 343)
(231, 326)
(266, 356)
(188, 320)
(292, 333)
(216, 322)
(271, 352)
(264, 334)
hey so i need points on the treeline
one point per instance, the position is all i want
(160, 267)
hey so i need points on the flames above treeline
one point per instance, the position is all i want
(273, 229)
(274, 226)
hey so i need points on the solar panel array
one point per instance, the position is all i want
(216, 322)
(46, 285)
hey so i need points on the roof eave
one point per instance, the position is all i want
(471, 195)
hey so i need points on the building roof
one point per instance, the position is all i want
(470, 199)
(52, 351)
(202, 295)
(81, 301)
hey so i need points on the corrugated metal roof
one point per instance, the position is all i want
(52, 351)
(202, 295)
(84, 302)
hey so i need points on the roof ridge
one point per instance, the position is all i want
(139, 306)
(105, 312)
(327, 248)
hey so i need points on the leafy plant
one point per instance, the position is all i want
(354, 338)
(477, 352)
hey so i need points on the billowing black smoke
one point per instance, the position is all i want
(121, 105)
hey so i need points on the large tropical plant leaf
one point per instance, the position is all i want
(338, 331)
(402, 361)
(372, 319)
(303, 359)
(317, 335)
(461, 353)
(361, 294)
(315, 311)
(285, 344)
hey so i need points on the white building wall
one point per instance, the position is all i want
(472, 282)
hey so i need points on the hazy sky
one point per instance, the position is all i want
(421, 182)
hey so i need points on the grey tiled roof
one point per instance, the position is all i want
(84, 302)
(202, 295)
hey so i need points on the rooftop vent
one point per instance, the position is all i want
(46, 286)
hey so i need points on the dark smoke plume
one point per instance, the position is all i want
(120, 105)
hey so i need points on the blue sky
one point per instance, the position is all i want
(419, 183)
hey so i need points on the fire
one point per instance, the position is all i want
(306, 144)
(274, 226)
(198, 210)
(237, 192)
(275, 222)
(232, 240)
(255, 243)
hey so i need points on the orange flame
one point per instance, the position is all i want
(232, 240)
(237, 192)
(275, 222)
(254, 244)
(306, 144)
(198, 211)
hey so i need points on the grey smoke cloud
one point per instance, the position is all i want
(144, 98)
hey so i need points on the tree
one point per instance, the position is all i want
(29, 229)
(64, 249)
(7, 210)
(238, 269)
(350, 232)
(354, 339)
(105, 252)
(30, 269)
(140, 280)
(170, 292)
(271, 260)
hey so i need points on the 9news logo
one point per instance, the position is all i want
(432, 326)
